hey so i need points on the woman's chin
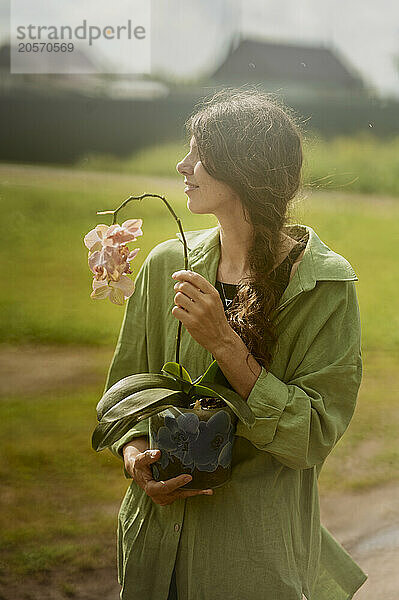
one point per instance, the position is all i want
(195, 207)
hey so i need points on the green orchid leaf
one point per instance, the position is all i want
(173, 368)
(131, 384)
(213, 374)
(106, 434)
(234, 400)
(203, 390)
(209, 374)
(138, 402)
(154, 411)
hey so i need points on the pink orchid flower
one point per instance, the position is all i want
(111, 262)
(111, 235)
(109, 259)
(126, 232)
(96, 238)
(117, 291)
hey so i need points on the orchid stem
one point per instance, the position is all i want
(178, 221)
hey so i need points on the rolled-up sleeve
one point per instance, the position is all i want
(299, 421)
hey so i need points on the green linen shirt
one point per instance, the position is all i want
(259, 536)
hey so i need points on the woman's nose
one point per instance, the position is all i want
(183, 167)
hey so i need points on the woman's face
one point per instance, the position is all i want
(206, 194)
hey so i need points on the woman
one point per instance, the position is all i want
(278, 310)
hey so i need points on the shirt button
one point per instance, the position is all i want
(177, 527)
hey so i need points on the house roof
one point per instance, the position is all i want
(262, 60)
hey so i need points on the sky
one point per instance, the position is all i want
(191, 37)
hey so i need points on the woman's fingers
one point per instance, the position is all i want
(184, 301)
(147, 457)
(168, 486)
(195, 279)
(188, 289)
(162, 492)
(166, 492)
(142, 473)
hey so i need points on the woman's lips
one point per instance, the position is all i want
(188, 188)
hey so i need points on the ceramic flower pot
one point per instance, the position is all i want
(197, 440)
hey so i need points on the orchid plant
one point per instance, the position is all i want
(143, 395)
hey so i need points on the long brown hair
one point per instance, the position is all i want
(251, 141)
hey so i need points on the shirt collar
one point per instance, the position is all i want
(319, 262)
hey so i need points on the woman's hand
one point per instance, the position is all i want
(162, 493)
(200, 309)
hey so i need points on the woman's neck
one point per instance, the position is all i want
(235, 243)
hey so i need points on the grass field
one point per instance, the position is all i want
(45, 216)
(55, 482)
(360, 163)
(59, 499)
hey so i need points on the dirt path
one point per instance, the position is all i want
(365, 522)
(32, 369)
(15, 174)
